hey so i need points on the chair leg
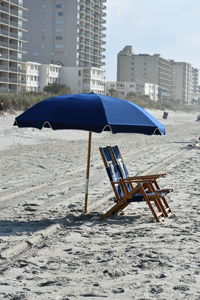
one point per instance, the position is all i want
(115, 209)
(166, 207)
(158, 216)
(162, 202)
(156, 203)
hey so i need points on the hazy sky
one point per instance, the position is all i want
(168, 27)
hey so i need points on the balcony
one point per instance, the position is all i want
(2, 55)
(4, 89)
(17, 69)
(15, 58)
(3, 79)
(14, 35)
(4, 44)
(3, 20)
(18, 3)
(13, 80)
(13, 46)
(4, 32)
(21, 81)
(4, 8)
(3, 67)
(15, 1)
(14, 12)
(15, 24)
(12, 91)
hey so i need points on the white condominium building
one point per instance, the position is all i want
(32, 76)
(40, 75)
(12, 73)
(83, 79)
(138, 87)
(66, 32)
(48, 74)
(145, 67)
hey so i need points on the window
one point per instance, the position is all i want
(59, 21)
(59, 5)
(59, 29)
(60, 14)
(59, 38)
(58, 46)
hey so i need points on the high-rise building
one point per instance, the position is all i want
(195, 86)
(66, 32)
(145, 67)
(12, 74)
(182, 82)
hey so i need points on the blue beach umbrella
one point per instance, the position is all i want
(91, 112)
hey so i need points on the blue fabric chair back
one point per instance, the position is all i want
(113, 171)
(122, 167)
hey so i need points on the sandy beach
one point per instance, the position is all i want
(49, 250)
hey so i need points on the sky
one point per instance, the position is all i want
(170, 28)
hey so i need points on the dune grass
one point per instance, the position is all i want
(22, 101)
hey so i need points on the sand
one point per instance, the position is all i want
(50, 250)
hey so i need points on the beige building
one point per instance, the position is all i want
(66, 32)
(145, 67)
(12, 40)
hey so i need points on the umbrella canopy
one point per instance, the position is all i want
(91, 112)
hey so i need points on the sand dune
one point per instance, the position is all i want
(49, 250)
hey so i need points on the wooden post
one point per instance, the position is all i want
(88, 171)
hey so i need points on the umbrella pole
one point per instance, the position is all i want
(88, 171)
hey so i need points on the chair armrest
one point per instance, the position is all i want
(166, 191)
(154, 176)
(128, 180)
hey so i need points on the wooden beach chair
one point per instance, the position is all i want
(117, 157)
(153, 183)
(127, 190)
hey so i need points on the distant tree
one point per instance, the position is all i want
(113, 93)
(131, 95)
(56, 88)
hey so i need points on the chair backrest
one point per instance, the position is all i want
(113, 171)
(119, 160)
(122, 167)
